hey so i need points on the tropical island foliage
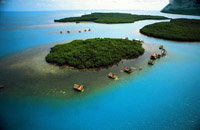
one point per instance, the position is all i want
(94, 53)
(110, 18)
(176, 29)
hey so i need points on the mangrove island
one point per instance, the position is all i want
(94, 53)
(110, 18)
(176, 29)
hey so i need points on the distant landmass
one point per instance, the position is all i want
(186, 7)
(177, 29)
(111, 18)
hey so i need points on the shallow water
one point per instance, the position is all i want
(29, 74)
(38, 95)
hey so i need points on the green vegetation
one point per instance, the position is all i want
(110, 18)
(94, 53)
(176, 29)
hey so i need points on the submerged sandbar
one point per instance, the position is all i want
(26, 73)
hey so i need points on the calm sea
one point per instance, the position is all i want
(164, 96)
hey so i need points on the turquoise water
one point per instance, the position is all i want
(163, 96)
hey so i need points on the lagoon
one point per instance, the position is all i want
(163, 96)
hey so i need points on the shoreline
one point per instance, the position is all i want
(21, 65)
(101, 17)
(181, 30)
(42, 95)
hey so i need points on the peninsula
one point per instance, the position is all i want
(110, 18)
(94, 53)
(176, 29)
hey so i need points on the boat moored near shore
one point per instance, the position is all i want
(128, 70)
(161, 47)
(163, 52)
(150, 62)
(79, 88)
(112, 76)
(154, 56)
(139, 40)
(159, 55)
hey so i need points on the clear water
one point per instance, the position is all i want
(39, 95)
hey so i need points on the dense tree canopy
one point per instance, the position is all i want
(176, 29)
(110, 18)
(94, 53)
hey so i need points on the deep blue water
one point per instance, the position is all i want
(165, 97)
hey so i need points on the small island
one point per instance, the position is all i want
(94, 53)
(110, 18)
(176, 29)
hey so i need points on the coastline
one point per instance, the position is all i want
(183, 30)
(130, 98)
(30, 63)
(166, 93)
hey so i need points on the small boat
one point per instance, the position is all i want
(79, 31)
(85, 30)
(68, 31)
(163, 52)
(138, 40)
(161, 47)
(112, 76)
(61, 32)
(78, 87)
(150, 62)
(154, 56)
(128, 70)
(89, 29)
(159, 55)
